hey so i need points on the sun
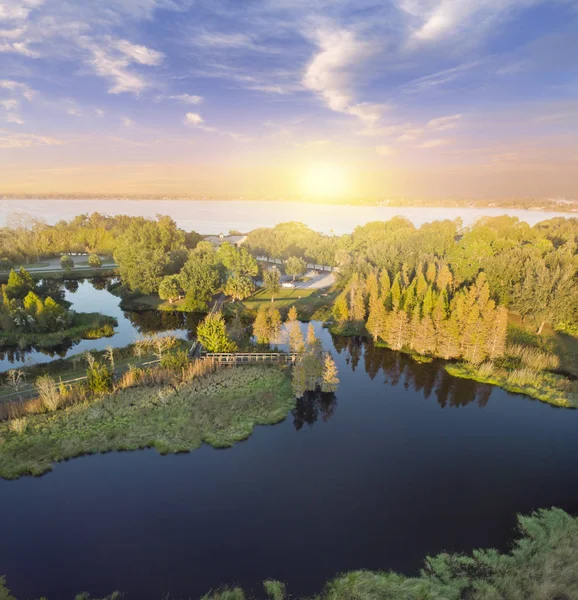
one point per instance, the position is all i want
(325, 181)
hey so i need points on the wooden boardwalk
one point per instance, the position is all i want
(251, 358)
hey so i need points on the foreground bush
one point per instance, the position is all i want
(541, 566)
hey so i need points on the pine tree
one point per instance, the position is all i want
(384, 283)
(448, 338)
(424, 340)
(341, 308)
(372, 288)
(428, 302)
(329, 380)
(274, 322)
(445, 279)
(296, 342)
(409, 298)
(261, 326)
(421, 287)
(397, 329)
(430, 273)
(377, 320)
(311, 337)
(498, 329)
(292, 314)
(440, 311)
(396, 293)
(357, 303)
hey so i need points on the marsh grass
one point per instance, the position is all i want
(534, 358)
(542, 385)
(172, 412)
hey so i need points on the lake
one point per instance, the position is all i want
(92, 296)
(403, 462)
(221, 216)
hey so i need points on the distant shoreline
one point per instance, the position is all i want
(536, 205)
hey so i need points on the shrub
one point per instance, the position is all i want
(94, 261)
(99, 378)
(96, 333)
(66, 262)
(177, 361)
(48, 393)
(18, 425)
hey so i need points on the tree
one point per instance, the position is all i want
(377, 320)
(94, 261)
(170, 288)
(239, 287)
(295, 266)
(16, 380)
(330, 381)
(147, 251)
(66, 262)
(99, 378)
(340, 308)
(19, 284)
(311, 337)
(272, 282)
(212, 334)
(237, 260)
(201, 275)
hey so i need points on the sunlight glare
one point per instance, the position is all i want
(325, 181)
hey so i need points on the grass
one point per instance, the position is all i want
(219, 409)
(542, 385)
(540, 566)
(308, 302)
(84, 326)
(62, 275)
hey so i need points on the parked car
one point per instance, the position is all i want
(288, 284)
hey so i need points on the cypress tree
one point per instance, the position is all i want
(396, 293)
(341, 308)
(498, 329)
(421, 286)
(428, 302)
(384, 283)
(377, 320)
(430, 273)
(372, 288)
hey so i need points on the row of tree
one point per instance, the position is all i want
(426, 312)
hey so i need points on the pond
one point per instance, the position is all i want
(92, 296)
(405, 461)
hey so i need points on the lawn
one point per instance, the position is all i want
(285, 298)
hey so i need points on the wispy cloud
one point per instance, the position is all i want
(384, 150)
(185, 98)
(435, 143)
(444, 123)
(25, 140)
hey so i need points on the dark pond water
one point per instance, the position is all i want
(93, 296)
(405, 461)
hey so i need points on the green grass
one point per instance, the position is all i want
(219, 409)
(284, 298)
(61, 275)
(84, 326)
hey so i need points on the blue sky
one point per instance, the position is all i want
(229, 97)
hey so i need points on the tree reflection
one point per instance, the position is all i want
(313, 405)
(428, 378)
(156, 321)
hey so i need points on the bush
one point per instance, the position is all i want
(66, 262)
(48, 393)
(99, 378)
(96, 333)
(18, 425)
(94, 261)
(176, 361)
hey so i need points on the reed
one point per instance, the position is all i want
(533, 357)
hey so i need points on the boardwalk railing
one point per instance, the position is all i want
(244, 358)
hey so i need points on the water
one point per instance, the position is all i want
(221, 216)
(86, 296)
(405, 461)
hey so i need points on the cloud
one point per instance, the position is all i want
(411, 134)
(435, 143)
(330, 73)
(127, 122)
(18, 88)
(25, 140)
(114, 66)
(193, 119)
(384, 150)
(186, 98)
(74, 111)
(444, 123)
(139, 54)
(439, 78)
(225, 40)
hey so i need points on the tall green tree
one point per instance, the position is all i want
(212, 334)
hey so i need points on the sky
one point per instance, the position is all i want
(313, 99)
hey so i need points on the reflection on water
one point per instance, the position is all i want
(312, 406)
(93, 296)
(427, 378)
